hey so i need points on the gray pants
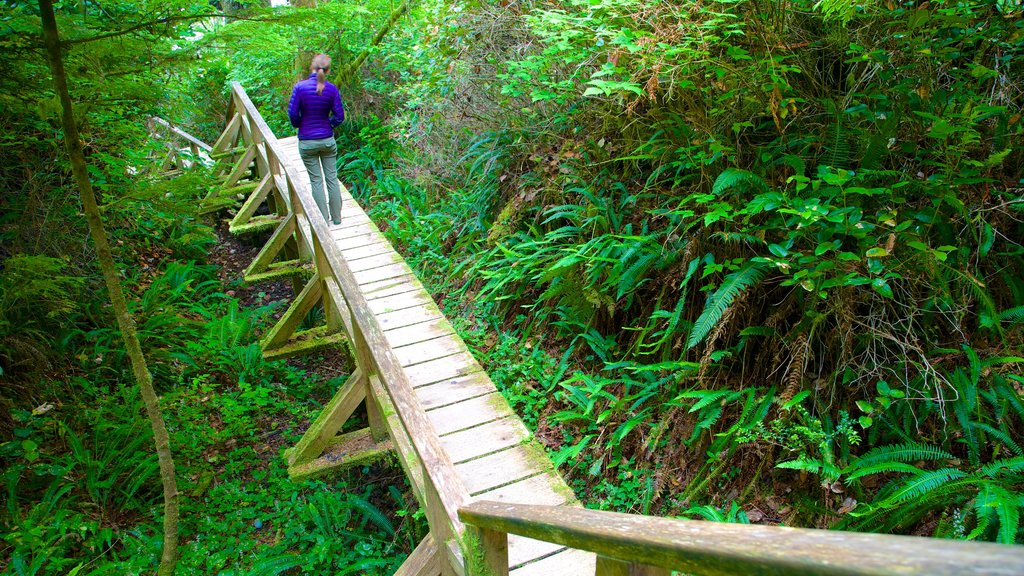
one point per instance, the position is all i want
(321, 160)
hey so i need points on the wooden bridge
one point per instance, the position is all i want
(494, 503)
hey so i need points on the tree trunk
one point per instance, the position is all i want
(347, 72)
(110, 275)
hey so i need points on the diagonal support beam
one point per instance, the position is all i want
(425, 560)
(241, 166)
(228, 137)
(263, 266)
(296, 313)
(330, 420)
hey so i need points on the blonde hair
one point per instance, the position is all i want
(321, 63)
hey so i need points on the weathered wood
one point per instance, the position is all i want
(440, 347)
(282, 234)
(227, 138)
(195, 143)
(295, 314)
(366, 250)
(425, 560)
(374, 261)
(568, 561)
(330, 420)
(353, 449)
(717, 548)
(407, 458)
(442, 368)
(253, 202)
(453, 390)
(490, 437)
(306, 342)
(469, 413)
(381, 273)
(544, 489)
(240, 167)
(505, 467)
(429, 330)
(488, 555)
(612, 567)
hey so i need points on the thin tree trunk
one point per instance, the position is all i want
(110, 275)
(350, 70)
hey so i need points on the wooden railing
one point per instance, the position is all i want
(171, 135)
(379, 378)
(473, 538)
(629, 544)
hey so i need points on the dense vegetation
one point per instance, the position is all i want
(744, 260)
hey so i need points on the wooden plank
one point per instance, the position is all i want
(354, 231)
(421, 332)
(411, 298)
(541, 490)
(441, 369)
(408, 316)
(382, 273)
(365, 251)
(425, 560)
(505, 467)
(490, 437)
(454, 390)
(389, 286)
(469, 413)
(368, 236)
(569, 562)
(713, 548)
(385, 259)
(430, 350)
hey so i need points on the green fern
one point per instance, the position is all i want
(920, 485)
(276, 565)
(748, 275)
(734, 178)
(907, 452)
(1012, 315)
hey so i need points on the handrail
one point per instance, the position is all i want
(446, 491)
(710, 548)
(185, 135)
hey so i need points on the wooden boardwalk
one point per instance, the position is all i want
(491, 497)
(493, 452)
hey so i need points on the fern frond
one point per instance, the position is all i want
(748, 275)
(276, 565)
(1006, 507)
(372, 513)
(907, 452)
(881, 468)
(1004, 466)
(921, 485)
(736, 178)
(1012, 315)
(812, 465)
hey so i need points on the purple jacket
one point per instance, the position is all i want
(314, 115)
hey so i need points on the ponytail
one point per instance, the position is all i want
(321, 63)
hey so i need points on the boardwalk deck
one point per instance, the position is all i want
(494, 455)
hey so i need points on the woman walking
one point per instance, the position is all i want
(316, 109)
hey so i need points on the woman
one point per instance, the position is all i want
(316, 109)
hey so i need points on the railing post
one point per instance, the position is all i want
(488, 554)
